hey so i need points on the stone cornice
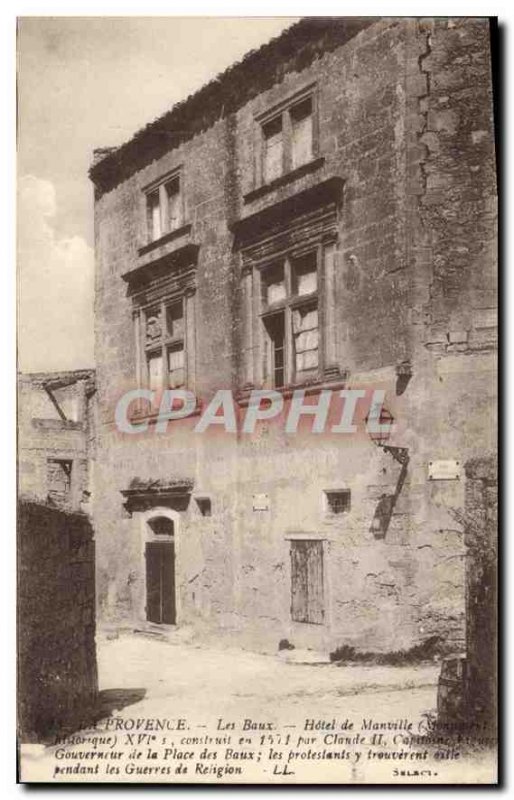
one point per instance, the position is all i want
(160, 266)
(294, 211)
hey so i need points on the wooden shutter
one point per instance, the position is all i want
(307, 581)
(302, 133)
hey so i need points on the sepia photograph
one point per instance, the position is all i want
(257, 400)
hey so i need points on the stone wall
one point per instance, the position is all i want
(451, 246)
(481, 525)
(57, 671)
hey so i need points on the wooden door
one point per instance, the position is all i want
(160, 583)
(307, 581)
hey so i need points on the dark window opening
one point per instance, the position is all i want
(274, 285)
(276, 331)
(153, 207)
(204, 506)
(305, 274)
(338, 502)
(161, 526)
(58, 479)
(176, 371)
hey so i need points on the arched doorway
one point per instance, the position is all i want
(160, 605)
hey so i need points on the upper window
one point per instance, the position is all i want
(287, 139)
(164, 208)
(291, 293)
(290, 320)
(164, 342)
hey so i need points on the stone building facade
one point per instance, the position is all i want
(56, 432)
(322, 216)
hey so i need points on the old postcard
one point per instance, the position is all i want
(257, 400)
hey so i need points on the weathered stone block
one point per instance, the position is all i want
(458, 337)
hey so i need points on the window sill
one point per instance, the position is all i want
(168, 237)
(283, 180)
(151, 417)
(339, 381)
(293, 302)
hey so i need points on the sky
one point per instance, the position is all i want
(86, 82)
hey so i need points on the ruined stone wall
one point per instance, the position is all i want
(43, 435)
(377, 102)
(57, 672)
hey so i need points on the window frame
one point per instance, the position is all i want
(287, 306)
(164, 343)
(328, 508)
(160, 187)
(283, 111)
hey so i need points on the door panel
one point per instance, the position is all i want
(168, 584)
(160, 583)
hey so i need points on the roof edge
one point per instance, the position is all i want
(293, 50)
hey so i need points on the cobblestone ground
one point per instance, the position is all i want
(215, 690)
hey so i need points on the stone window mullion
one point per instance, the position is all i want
(322, 315)
(189, 341)
(136, 319)
(288, 323)
(145, 373)
(164, 352)
(163, 204)
(247, 332)
(258, 336)
(287, 133)
(330, 349)
(289, 346)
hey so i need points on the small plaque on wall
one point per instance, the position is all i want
(444, 470)
(260, 502)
